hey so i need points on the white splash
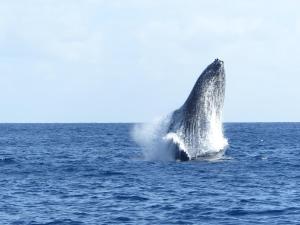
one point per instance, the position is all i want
(154, 140)
(215, 137)
(150, 137)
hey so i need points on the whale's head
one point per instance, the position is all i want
(208, 92)
(214, 75)
(199, 119)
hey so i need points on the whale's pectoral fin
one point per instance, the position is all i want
(181, 155)
(176, 147)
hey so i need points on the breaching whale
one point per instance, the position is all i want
(195, 130)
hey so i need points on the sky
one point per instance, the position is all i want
(136, 60)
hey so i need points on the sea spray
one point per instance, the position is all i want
(156, 142)
(150, 136)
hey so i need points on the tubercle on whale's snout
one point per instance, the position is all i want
(217, 60)
(214, 72)
(217, 64)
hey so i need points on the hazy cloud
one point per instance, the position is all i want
(89, 60)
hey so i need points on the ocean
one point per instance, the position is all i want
(96, 174)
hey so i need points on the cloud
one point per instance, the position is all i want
(136, 52)
(53, 29)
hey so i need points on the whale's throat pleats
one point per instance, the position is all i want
(198, 123)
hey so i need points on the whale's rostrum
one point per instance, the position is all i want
(195, 130)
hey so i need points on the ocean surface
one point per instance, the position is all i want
(96, 174)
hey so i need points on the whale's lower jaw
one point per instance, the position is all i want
(183, 155)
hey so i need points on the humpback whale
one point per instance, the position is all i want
(195, 130)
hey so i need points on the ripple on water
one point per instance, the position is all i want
(267, 212)
(58, 222)
(135, 198)
(7, 161)
(74, 175)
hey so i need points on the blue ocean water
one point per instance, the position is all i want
(95, 174)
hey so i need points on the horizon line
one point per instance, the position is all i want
(137, 122)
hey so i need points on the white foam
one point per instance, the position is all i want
(150, 137)
(154, 139)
